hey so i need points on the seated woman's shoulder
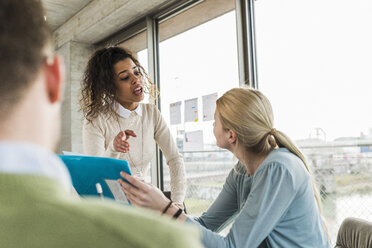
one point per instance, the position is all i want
(240, 169)
(284, 156)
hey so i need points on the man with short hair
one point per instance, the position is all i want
(36, 207)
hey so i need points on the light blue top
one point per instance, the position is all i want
(27, 158)
(273, 208)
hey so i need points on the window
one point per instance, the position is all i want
(314, 66)
(196, 61)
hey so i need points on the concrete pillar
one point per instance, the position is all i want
(75, 57)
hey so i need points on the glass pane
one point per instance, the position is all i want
(198, 62)
(314, 65)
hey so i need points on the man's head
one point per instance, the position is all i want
(30, 77)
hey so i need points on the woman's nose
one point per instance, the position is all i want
(135, 78)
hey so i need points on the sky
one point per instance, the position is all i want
(314, 64)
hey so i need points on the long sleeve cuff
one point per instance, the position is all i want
(178, 181)
(178, 197)
(110, 151)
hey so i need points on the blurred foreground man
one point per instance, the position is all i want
(36, 207)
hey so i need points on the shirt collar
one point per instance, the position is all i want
(27, 158)
(125, 113)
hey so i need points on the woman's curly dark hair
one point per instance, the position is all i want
(99, 91)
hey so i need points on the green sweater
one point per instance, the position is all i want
(36, 211)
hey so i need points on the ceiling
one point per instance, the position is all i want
(91, 21)
(59, 11)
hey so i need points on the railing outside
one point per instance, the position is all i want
(342, 170)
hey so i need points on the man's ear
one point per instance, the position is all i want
(232, 137)
(54, 78)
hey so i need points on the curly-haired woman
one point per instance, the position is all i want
(117, 125)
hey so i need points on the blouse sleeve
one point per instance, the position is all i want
(271, 194)
(164, 139)
(222, 209)
(94, 141)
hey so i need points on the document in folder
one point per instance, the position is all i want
(86, 171)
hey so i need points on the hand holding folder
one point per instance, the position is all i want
(86, 171)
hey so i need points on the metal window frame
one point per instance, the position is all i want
(157, 177)
(246, 37)
(152, 24)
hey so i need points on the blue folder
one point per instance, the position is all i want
(86, 171)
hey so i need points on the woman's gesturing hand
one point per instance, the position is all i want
(121, 141)
(143, 194)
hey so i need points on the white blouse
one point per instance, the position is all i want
(149, 126)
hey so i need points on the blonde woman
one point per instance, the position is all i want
(269, 195)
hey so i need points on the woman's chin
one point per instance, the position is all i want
(141, 97)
